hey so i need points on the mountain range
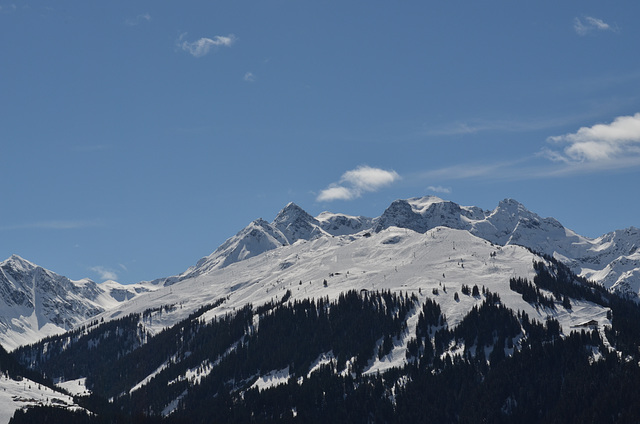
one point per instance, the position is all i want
(35, 302)
(416, 314)
(612, 260)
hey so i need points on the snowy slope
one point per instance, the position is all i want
(611, 260)
(395, 259)
(434, 264)
(16, 394)
(289, 226)
(35, 302)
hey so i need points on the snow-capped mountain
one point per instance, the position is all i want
(289, 226)
(612, 260)
(257, 313)
(432, 266)
(35, 302)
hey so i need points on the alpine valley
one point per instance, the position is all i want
(431, 312)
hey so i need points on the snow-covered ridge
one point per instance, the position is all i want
(35, 302)
(291, 225)
(611, 259)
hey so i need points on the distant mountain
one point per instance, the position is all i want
(612, 260)
(292, 224)
(35, 302)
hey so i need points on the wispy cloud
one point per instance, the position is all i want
(53, 225)
(203, 46)
(104, 273)
(144, 17)
(474, 126)
(588, 24)
(249, 77)
(605, 147)
(354, 183)
(605, 144)
(439, 189)
(495, 170)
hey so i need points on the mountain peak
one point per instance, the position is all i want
(19, 263)
(291, 211)
(511, 205)
(420, 204)
(295, 223)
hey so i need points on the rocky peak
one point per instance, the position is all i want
(296, 224)
(399, 214)
(421, 214)
(18, 263)
(292, 213)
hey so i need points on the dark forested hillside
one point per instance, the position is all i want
(495, 365)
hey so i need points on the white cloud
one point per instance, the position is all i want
(336, 192)
(439, 189)
(590, 24)
(369, 179)
(145, 17)
(249, 77)
(358, 181)
(104, 273)
(475, 126)
(202, 46)
(607, 147)
(616, 141)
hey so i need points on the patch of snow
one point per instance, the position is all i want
(25, 393)
(173, 405)
(75, 387)
(148, 378)
(272, 379)
(323, 359)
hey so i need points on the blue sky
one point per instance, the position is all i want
(138, 136)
